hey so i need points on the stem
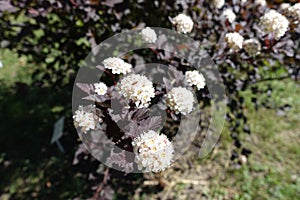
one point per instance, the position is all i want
(159, 177)
(73, 3)
(101, 185)
(108, 73)
(153, 50)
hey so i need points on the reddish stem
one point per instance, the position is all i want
(153, 50)
(110, 74)
(101, 185)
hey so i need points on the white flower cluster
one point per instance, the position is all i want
(86, 118)
(148, 35)
(229, 14)
(100, 88)
(260, 2)
(137, 88)
(218, 3)
(153, 151)
(234, 41)
(275, 23)
(180, 100)
(252, 47)
(294, 12)
(184, 24)
(195, 78)
(117, 65)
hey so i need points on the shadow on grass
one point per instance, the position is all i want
(31, 167)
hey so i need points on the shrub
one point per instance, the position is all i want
(251, 43)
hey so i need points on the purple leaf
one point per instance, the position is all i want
(95, 98)
(120, 160)
(132, 130)
(100, 67)
(167, 83)
(135, 128)
(152, 123)
(176, 74)
(162, 106)
(162, 41)
(81, 150)
(87, 88)
(90, 98)
(111, 3)
(140, 114)
(114, 117)
(174, 117)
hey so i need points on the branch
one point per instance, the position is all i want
(101, 185)
(108, 73)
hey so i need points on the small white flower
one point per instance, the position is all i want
(275, 23)
(184, 24)
(153, 151)
(243, 1)
(100, 88)
(294, 12)
(234, 41)
(252, 47)
(284, 7)
(260, 2)
(229, 14)
(137, 88)
(117, 65)
(195, 78)
(1, 65)
(218, 3)
(180, 100)
(86, 118)
(149, 35)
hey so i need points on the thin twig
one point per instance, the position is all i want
(102, 184)
(154, 50)
(108, 73)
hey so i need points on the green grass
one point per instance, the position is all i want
(14, 69)
(272, 171)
